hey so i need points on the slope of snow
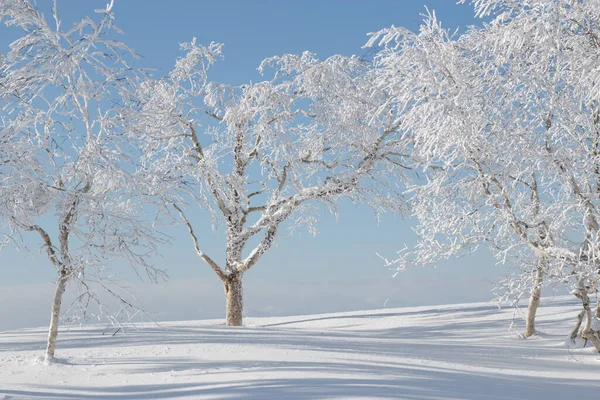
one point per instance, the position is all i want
(444, 352)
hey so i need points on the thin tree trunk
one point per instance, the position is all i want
(534, 301)
(575, 330)
(54, 316)
(588, 332)
(234, 304)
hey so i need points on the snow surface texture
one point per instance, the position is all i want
(444, 352)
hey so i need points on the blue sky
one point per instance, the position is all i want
(344, 252)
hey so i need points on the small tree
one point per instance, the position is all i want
(64, 92)
(272, 151)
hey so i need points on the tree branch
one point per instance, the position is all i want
(202, 255)
(259, 250)
(45, 237)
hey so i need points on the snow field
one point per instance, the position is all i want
(434, 352)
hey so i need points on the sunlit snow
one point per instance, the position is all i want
(443, 352)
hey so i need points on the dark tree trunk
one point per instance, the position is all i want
(234, 305)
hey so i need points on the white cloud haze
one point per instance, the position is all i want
(202, 298)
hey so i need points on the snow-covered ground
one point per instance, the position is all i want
(444, 352)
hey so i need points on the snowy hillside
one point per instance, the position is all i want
(445, 352)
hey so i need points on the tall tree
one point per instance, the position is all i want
(478, 189)
(64, 92)
(272, 151)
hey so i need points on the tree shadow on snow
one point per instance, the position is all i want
(450, 358)
(404, 383)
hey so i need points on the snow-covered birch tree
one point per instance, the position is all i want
(63, 92)
(258, 155)
(477, 189)
(505, 117)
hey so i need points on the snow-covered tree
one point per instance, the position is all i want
(453, 102)
(62, 93)
(506, 117)
(272, 151)
(553, 74)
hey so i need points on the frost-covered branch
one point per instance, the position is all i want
(201, 254)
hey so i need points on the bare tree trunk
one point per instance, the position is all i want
(534, 301)
(575, 330)
(588, 332)
(54, 316)
(234, 299)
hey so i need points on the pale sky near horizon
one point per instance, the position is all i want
(344, 251)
